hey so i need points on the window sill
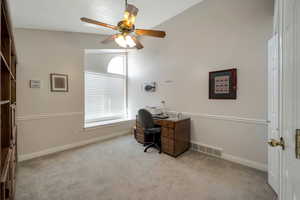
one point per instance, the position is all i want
(95, 125)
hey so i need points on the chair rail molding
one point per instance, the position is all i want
(46, 116)
(228, 118)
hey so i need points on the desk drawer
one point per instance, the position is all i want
(138, 125)
(168, 124)
(167, 132)
(167, 145)
(139, 129)
(140, 138)
(159, 122)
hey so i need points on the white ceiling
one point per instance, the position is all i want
(64, 15)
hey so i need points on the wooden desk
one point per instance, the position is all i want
(175, 135)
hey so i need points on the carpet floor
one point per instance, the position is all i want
(118, 169)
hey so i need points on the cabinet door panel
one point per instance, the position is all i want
(167, 145)
(171, 133)
(164, 132)
(167, 132)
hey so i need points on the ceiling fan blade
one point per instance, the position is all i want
(91, 21)
(153, 33)
(137, 42)
(109, 39)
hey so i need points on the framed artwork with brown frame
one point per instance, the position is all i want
(59, 82)
(223, 84)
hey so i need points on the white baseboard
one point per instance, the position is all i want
(69, 146)
(242, 161)
(245, 162)
(235, 159)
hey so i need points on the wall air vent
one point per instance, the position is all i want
(213, 151)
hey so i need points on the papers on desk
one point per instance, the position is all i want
(160, 116)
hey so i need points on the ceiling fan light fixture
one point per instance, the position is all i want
(120, 40)
(130, 14)
(130, 19)
(127, 36)
(130, 41)
(125, 41)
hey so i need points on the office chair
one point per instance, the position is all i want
(146, 120)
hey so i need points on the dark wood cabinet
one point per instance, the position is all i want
(175, 135)
(8, 131)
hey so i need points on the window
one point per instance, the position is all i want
(116, 65)
(105, 93)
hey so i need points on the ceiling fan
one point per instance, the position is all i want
(127, 31)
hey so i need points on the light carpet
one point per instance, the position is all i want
(118, 169)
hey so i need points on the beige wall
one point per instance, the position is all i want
(45, 119)
(210, 36)
(213, 35)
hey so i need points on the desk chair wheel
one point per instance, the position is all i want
(154, 145)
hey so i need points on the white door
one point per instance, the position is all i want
(290, 106)
(273, 112)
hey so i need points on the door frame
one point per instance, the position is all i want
(273, 103)
(280, 56)
(287, 82)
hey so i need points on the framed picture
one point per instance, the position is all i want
(59, 82)
(223, 84)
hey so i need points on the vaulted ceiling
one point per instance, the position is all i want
(64, 15)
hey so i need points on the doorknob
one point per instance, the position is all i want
(276, 143)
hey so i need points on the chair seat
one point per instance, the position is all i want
(152, 130)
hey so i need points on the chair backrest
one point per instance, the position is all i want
(145, 118)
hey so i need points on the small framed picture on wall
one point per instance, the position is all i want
(223, 84)
(59, 82)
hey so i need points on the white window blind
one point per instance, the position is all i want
(104, 97)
